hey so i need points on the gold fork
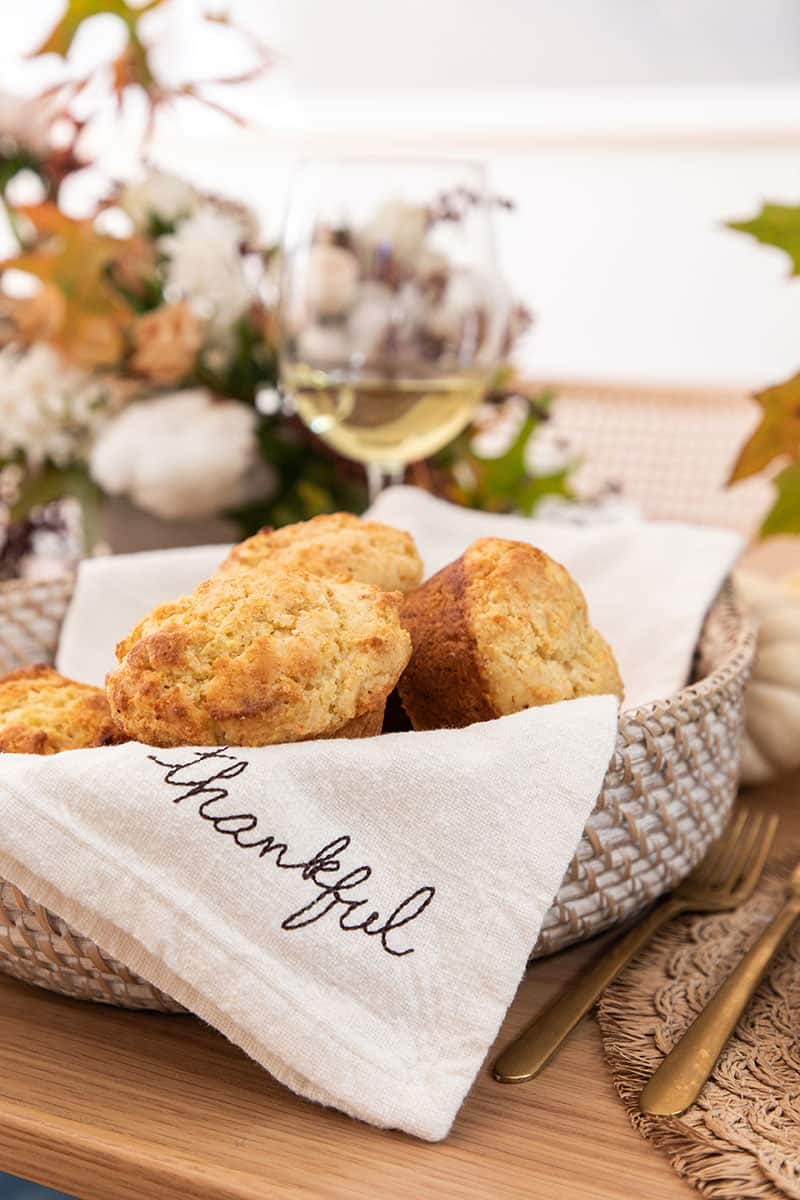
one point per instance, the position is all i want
(725, 878)
(679, 1080)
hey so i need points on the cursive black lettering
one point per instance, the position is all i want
(411, 908)
(207, 777)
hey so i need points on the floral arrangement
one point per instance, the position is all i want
(152, 364)
(138, 342)
(775, 443)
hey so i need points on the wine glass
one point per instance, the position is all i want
(392, 311)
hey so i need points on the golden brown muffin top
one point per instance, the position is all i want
(42, 712)
(531, 627)
(258, 657)
(336, 544)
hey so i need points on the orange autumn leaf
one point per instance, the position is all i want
(778, 433)
(73, 257)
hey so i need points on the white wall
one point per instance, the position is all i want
(617, 241)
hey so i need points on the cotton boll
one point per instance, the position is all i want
(181, 455)
(331, 280)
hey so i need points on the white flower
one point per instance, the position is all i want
(49, 410)
(26, 123)
(159, 195)
(205, 267)
(180, 455)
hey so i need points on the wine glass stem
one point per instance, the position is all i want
(383, 475)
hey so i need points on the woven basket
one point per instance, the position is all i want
(666, 796)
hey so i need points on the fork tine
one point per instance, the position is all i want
(742, 853)
(756, 866)
(707, 869)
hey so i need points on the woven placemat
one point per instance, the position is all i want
(742, 1138)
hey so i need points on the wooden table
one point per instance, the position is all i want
(112, 1105)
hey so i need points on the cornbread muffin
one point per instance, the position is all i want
(502, 628)
(42, 712)
(260, 656)
(339, 544)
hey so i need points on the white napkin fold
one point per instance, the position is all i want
(447, 846)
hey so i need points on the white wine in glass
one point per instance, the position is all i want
(392, 311)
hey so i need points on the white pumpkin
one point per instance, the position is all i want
(772, 702)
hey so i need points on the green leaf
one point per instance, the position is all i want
(777, 433)
(784, 516)
(776, 225)
(12, 164)
(543, 485)
(57, 483)
(504, 476)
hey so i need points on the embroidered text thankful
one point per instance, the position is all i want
(207, 774)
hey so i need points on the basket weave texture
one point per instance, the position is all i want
(666, 796)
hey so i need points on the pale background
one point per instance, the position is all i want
(626, 131)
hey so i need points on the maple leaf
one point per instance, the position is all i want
(784, 516)
(776, 225)
(133, 68)
(60, 38)
(778, 432)
(73, 257)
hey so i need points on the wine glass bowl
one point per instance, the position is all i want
(392, 312)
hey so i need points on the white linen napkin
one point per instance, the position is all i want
(355, 915)
(447, 846)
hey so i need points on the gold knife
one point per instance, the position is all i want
(679, 1080)
(724, 879)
